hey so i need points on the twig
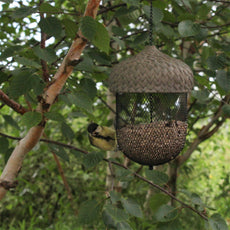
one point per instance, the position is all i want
(125, 167)
(45, 70)
(46, 12)
(47, 141)
(106, 104)
(104, 10)
(66, 185)
(159, 188)
(172, 196)
(11, 103)
(111, 174)
(61, 172)
(206, 131)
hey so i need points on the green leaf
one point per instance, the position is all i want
(37, 84)
(140, 39)
(123, 174)
(202, 35)
(11, 121)
(166, 213)
(3, 77)
(118, 31)
(47, 8)
(117, 214)
(216, 222)
(123, 14)
(202, 95)
(157, 15)
(76, 153)
(31, 119)
(59, 151)
(92, 159)
(197, 202)
(7, 1)
(100, 76)
(172, 225)
(86, 65)
(114, 196)
(100, 57)
(226, 110)
(89, 212)
(157, 200)
(132, 2)
(51, 26)
(10, 51)
(118, 43)
(71, 28)
(27, 62)
(67, 131)
(46, 54)
(95, 32)
(187, 3)
(89, 87)
(4, 143)
(188, 28)
(23, 12)
(132, 207)
(134, 13)
(202, 80)
(166, 30)
(108, 220)
(81, 100)
(88, 27)
(54, 116)
(216, 62)
(223, 80)
(21, 82)
(101, 39)
(8, 154)
(157, 177)
(123, 226)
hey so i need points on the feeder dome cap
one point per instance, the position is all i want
(151, 71)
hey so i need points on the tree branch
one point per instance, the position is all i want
(61, 172)
(33, 136)
(43, 45)
(106, 9)
(136, 174)
(205, 132)
(12, 104)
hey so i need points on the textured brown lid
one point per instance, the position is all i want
(151, 71)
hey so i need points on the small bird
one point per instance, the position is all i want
(102, 137)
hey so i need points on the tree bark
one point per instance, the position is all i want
(14, 164)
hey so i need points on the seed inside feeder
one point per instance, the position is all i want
(154, 143)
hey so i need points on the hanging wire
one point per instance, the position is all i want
(151, 24)
(151, 43)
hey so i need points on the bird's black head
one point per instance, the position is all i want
(92, 127)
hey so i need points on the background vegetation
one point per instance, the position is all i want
(77, 192)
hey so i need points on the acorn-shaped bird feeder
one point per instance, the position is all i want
(151, 106)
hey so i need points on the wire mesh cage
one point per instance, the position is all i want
(151, 127)
(151, 106)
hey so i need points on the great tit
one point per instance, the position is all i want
(102, 137)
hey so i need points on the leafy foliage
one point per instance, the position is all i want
(34, 39)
